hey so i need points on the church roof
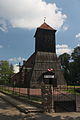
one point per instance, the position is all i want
(46, 26)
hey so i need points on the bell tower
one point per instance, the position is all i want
(45, 39)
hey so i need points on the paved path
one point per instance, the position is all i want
(8, 112)
(23, 107)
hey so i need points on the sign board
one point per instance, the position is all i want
(48, 76)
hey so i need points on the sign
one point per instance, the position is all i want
(48, 76)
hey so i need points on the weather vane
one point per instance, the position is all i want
(44, 19)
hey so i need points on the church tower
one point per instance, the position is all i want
(44, 58)
(45, 39)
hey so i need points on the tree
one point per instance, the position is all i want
(6, 70)
(76, 54)
(76, 65)
(64, 59)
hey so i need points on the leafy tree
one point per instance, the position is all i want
(71, 68)
(6, 70)
(64, 59)
(76, 54)
(76, 65)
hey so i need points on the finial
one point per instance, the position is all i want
(44, 19)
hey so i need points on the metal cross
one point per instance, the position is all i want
(44, 19)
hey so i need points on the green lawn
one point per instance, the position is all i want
(75, 90)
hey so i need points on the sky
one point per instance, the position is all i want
(20, 18)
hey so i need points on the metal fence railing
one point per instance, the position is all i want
(59, 94)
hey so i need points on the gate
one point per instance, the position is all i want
(64, 101)
(56, 98)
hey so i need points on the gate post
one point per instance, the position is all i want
(47, 97)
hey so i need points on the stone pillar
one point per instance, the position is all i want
(47, 102)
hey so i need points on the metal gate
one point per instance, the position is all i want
(56, 98)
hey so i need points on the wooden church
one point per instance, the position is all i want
(43, 60)
(43, 68)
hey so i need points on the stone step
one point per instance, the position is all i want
(33, 109)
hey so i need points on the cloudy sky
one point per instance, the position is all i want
(20, 18)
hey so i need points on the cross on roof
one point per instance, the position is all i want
(44, 19)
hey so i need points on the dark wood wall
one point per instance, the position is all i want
(45, 40)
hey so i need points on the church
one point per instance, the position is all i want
(42, 71)
(43, 61)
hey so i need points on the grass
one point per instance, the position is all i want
(8, 91)
(73, 91)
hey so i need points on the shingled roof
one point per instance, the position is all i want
(46, 26)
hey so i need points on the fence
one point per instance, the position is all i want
(24, 93)
(61, 96)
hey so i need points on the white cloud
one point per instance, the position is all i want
(3, 28)
(17, 60)
(1, 46)
(78, 45)
(3, 25)
(77, 35)
(60, 49)
(30, 13)
(16, 68)
(65, 28)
